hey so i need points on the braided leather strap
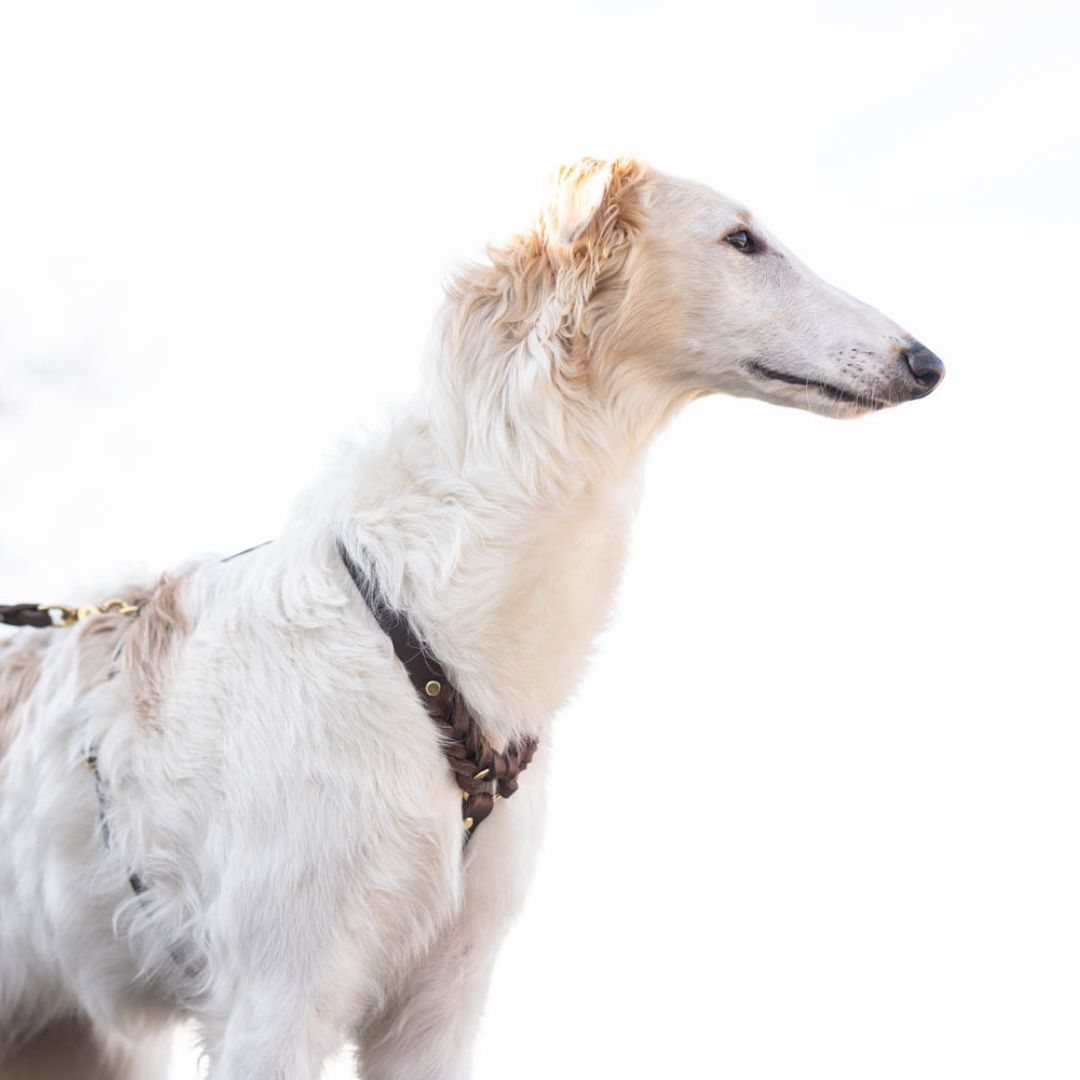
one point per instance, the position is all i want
(482, 773)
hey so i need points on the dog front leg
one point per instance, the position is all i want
(427, 1030)
(271, 1036)
(427, 1033)
(281, 973)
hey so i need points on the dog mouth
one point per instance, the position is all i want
(829, 390)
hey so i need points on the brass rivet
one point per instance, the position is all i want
(464, 796)
(481, 774)
(468, 823)
(433, 688)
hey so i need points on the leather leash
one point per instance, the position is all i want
(25, 615)
(41, 615)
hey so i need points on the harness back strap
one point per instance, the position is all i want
(482, 773)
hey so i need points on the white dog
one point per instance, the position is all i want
(270, 835)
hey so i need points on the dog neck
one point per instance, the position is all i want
(503, 548)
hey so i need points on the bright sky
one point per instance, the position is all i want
(842, 836)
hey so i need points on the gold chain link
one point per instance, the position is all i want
(63, 615)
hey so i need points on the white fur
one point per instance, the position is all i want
(290, 809)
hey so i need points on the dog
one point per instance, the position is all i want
(269, 837)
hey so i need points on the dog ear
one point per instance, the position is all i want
(578, 193)
(580, 242)
(587, 199)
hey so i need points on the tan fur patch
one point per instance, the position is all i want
(148, 648)
(573, 258)
(99, 642)
(20, 666)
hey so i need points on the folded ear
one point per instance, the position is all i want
(587, 198)
(578, 194)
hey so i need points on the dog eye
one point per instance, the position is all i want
(742, 240)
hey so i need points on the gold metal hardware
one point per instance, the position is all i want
(69, 616)
(468, 823)
(481, 774)
(464, 796)
(433, 688)
(118, 605)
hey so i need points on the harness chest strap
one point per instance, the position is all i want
(482, 773)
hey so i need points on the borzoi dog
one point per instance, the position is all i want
(265, 791)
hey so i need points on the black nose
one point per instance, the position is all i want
(926, 367)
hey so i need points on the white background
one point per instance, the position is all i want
(836, 827)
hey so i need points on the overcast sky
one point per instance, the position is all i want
(838, 836)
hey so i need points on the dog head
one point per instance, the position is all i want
(668, 285)
(636, 292)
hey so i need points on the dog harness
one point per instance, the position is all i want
(483, 774)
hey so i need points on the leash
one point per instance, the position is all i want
(483, 774)
(41, 615)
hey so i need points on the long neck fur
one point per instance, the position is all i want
(504, 550)
(495, 509)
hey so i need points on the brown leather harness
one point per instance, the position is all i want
(483, 774)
